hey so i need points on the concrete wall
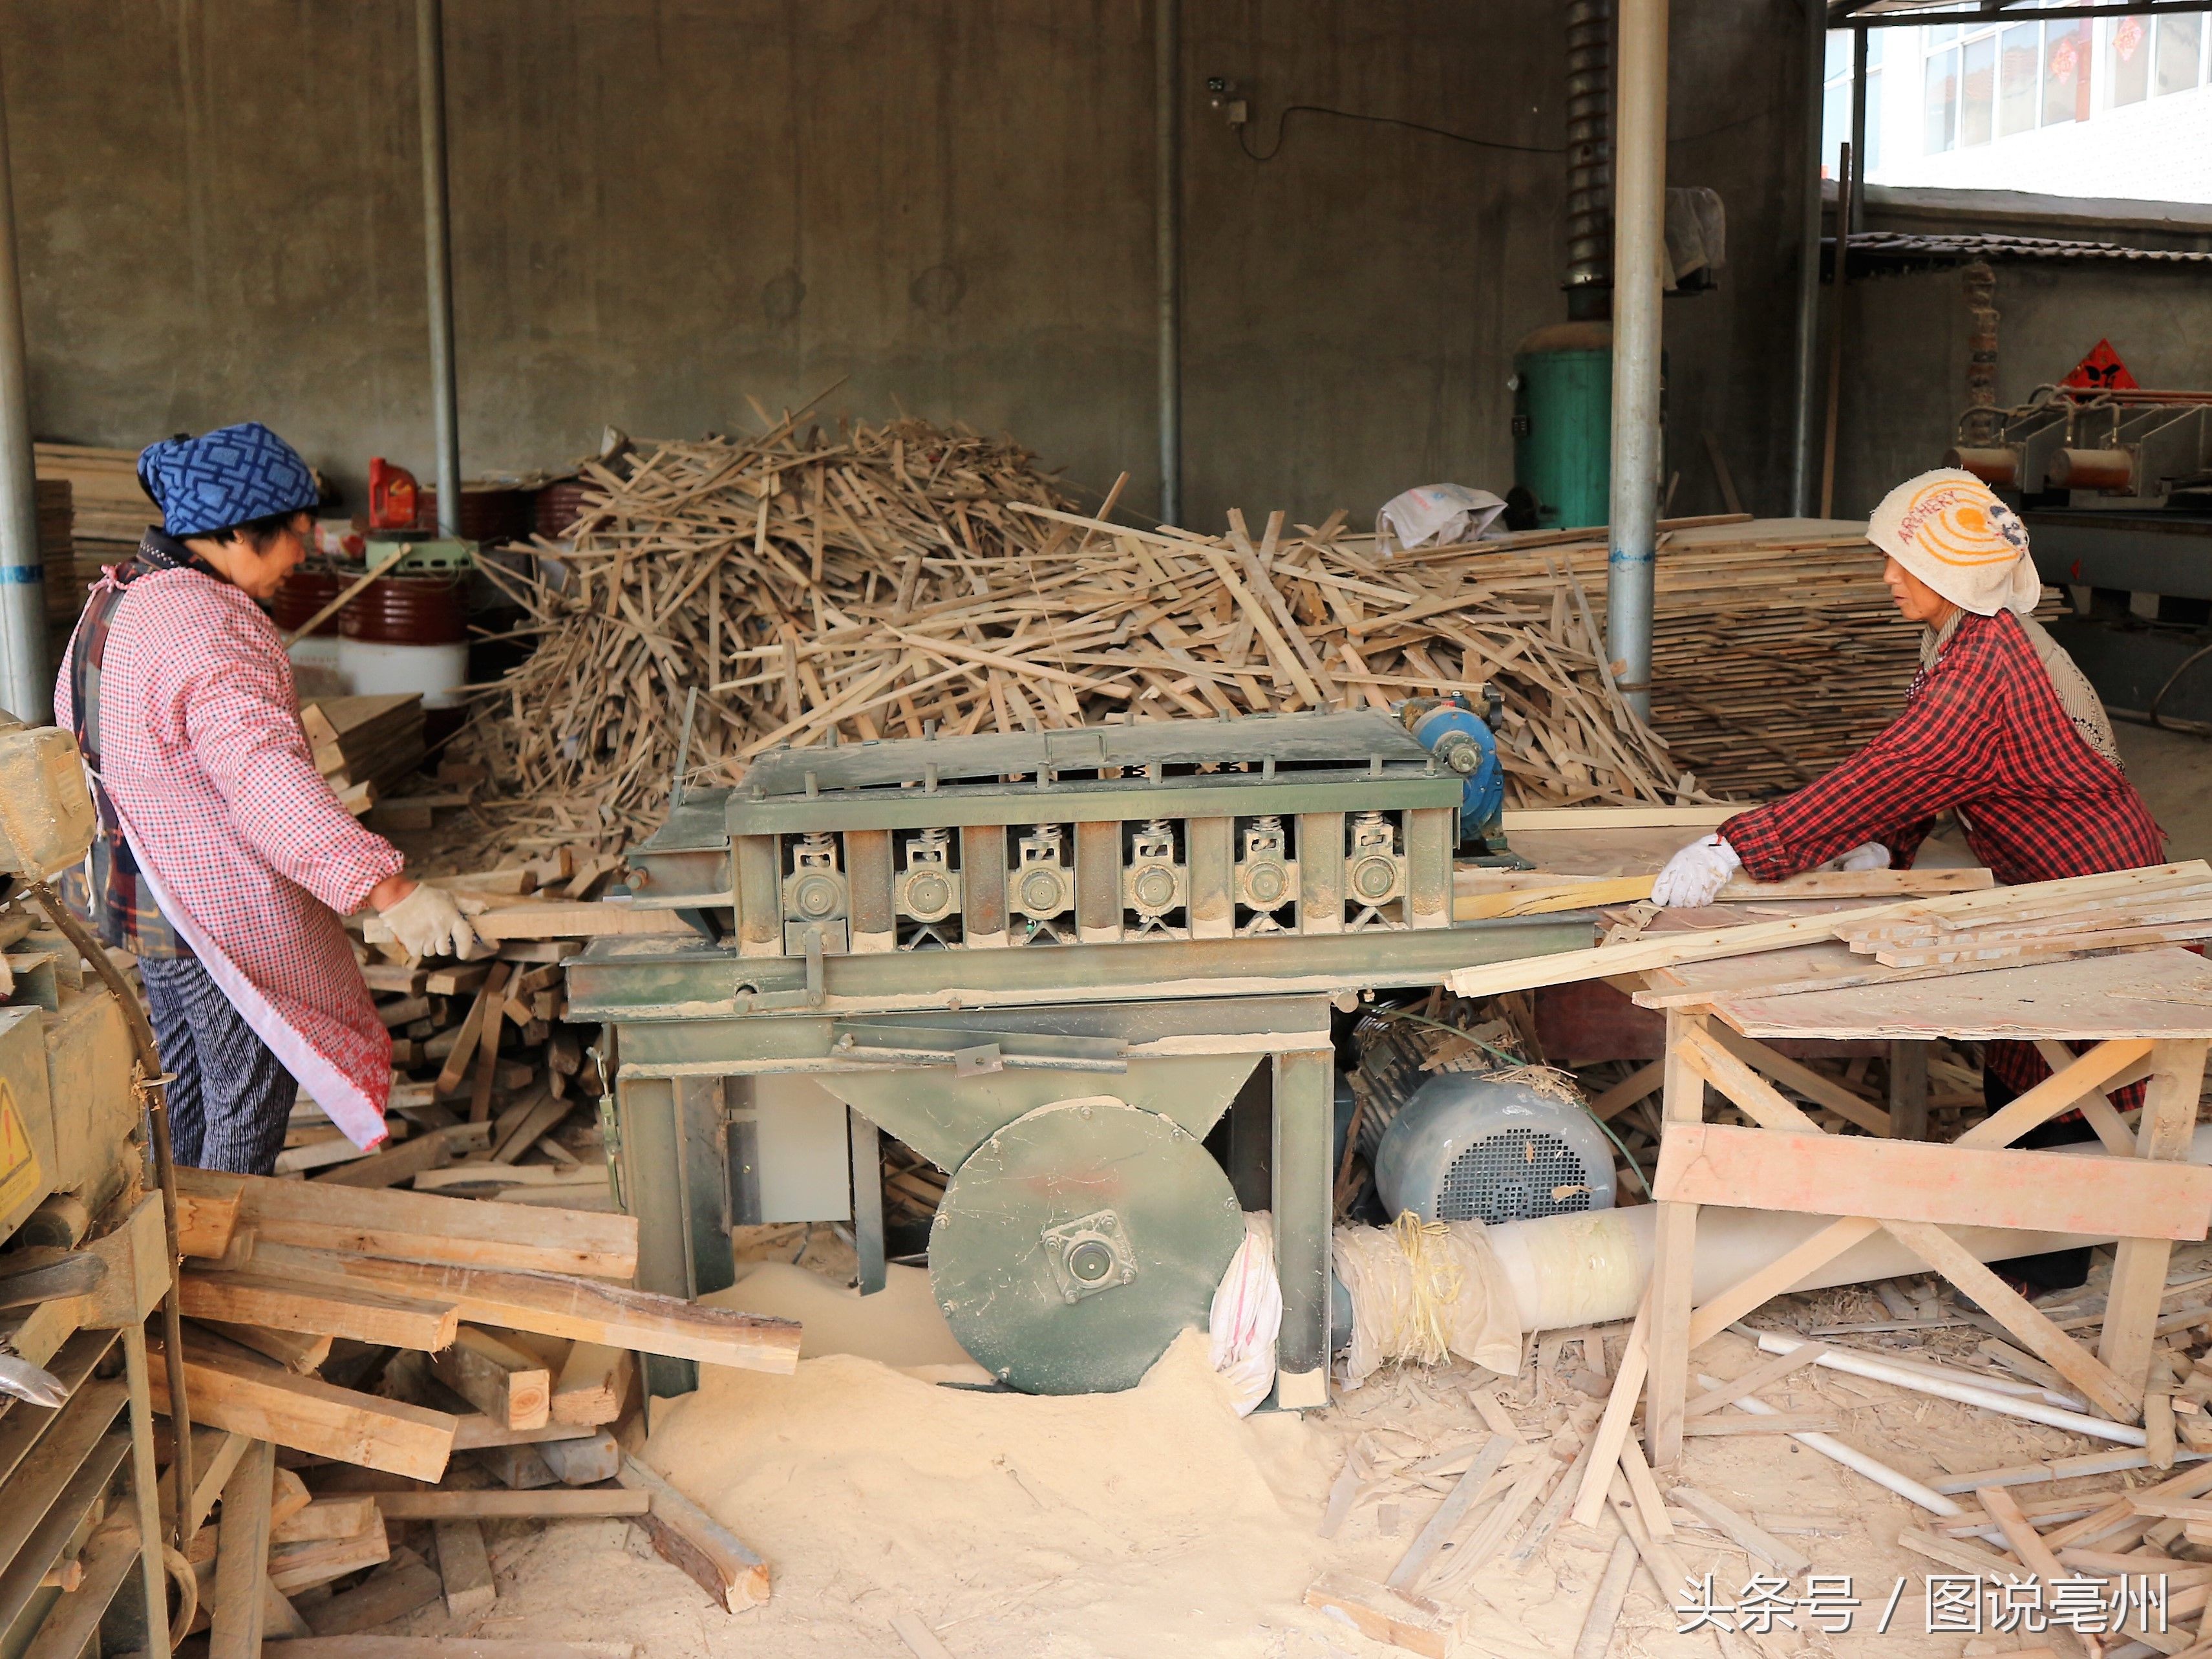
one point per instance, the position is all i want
(662, 206)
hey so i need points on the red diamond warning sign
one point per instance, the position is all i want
(2103, 370)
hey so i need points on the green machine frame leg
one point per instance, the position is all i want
(1306, 1103)
(676, 1182)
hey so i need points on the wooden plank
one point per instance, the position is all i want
(235, 1619)
(447, 1647)
(504, 1384)
(2139, 1260)
(464, 1569)
(1760, 1377)
(593, 1384)
(577, 922)
(249, 1396)
(2027, 1543)
(315, 1561)
(1948, 1185)
(258, 1298)
(432, 1150)
(1639, 1084)
(584, 1310)
(2026, 1322)
(546, 1504)
(474, 1431)
(1674, 1260)
(1745, 1532)
(288, 1496)
(1594, 1640)
(464, 1045)
(205, 1221)
(1422, 1551)
(710, 1554)
(1618, 1423)
(1820, 1090)
(420, 1227)
(343, 1516)
(303, 1351)
(1382, 1615)
(403, 1585)
(2154, 994)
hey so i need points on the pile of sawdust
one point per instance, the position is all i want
(1151, 1521)
(900, 1325)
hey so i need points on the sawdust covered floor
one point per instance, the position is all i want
(1154, 1522)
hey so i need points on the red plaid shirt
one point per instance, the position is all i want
(1982, 732)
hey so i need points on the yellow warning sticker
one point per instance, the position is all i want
(19, 1160)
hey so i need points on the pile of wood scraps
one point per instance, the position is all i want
(894, 579)
(377, 1377)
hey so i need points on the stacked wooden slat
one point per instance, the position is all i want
(502, 1334)
(2169, 908)
(365, 745)
(886, 580)
(108, 512)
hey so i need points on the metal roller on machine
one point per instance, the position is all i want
(1076, 1242)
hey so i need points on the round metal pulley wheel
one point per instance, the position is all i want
(1074, 1244)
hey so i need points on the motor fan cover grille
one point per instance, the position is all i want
(1518, 1175)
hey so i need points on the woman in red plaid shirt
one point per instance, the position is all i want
(1999, 727)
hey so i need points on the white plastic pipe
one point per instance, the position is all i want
(1879, 1472)
(1639, 276)
(1964, 1393)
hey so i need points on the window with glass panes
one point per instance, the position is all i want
(1983, 82)
(1836, 101)
(2153, 57)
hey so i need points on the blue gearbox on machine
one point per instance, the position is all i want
(1460, 738)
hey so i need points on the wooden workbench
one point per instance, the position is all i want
(2148, 1015)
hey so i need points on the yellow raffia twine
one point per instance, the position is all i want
(1434, 1282)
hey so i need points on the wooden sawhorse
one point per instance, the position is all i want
(2149, 1015)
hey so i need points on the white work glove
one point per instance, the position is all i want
(1868, 855)
(1696, 875)
(428, 923)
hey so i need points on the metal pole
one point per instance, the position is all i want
(1807, 352)
(1167, 207)
(438, 250)
(1858, 130)
(25, 678)
(1639, 272)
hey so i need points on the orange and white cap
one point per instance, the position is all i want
(1949, 529)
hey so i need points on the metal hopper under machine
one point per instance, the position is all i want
(1049, 963)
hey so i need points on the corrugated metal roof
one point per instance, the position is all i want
(1892, 244)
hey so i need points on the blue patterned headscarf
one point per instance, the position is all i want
(230, 476)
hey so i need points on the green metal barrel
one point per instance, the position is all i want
(1562, 422)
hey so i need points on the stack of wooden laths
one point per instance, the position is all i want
(365, 745)
(2163, 909)
(1961, 932)
(342, 1346)
(107, 513)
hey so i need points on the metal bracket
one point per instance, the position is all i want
(1090, 1254)
(975, 1054)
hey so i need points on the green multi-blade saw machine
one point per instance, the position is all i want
(1050, 964)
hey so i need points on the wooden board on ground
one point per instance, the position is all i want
(585, 1310)
(251, 1396)
(420, 1227)
(709, 1553)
